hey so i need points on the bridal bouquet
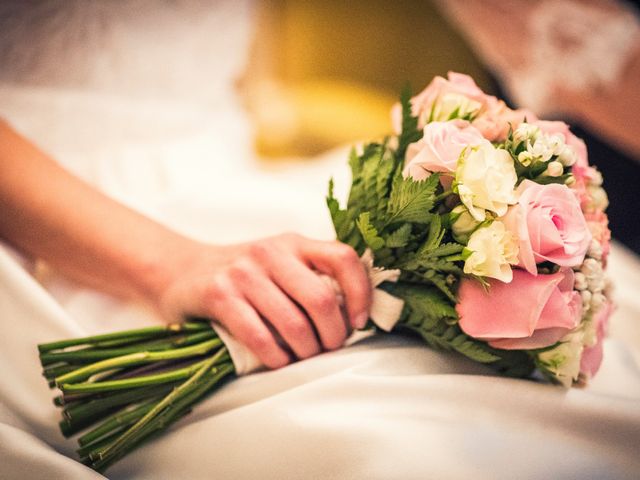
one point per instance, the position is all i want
(483, 231)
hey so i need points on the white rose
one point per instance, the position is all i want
(485, 180)
(493, 250)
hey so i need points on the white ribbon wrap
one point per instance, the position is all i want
(384, 312)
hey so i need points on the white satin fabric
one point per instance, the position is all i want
(387, 407)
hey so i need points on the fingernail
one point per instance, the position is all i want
(360, 320)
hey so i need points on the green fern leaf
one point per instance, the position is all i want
(369, 232)
(342, 222)
(423, 299)
(412, 201)
(446, 249)
(400, 237)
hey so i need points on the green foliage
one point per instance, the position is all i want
(428, 313)
(411, 201)
(400, 237)
(424, 300)
(534, 171)
(405, 223)
(369, 232)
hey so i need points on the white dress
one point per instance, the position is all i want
(139, 100)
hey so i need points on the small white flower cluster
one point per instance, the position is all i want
(598, 199)
(591, 283)
(594, 287)
(564, 359)
(541, 147)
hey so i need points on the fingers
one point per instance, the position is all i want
(315, 296)
(278, 309)
(270, 293)
(243, 322)
(342, 263)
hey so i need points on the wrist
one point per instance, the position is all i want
(155, 269)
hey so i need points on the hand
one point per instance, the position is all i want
(269, 293)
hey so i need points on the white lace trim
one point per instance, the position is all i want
(577, 46)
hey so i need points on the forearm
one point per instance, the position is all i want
(50, 214)
(250, 288)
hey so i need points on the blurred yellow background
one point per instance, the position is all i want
(327, 73)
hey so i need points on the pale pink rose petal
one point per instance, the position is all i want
(496, 119)
(592, 356)
(549, 225)
(465, 85)
(592, 359)
(530, 312)
(440, 148)
(515, 223)
(560, 310)
(505, 310)
(540, 339)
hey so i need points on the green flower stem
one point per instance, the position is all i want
(86, 450)
(180, 392)
(92, 355)
(70, 399)
(442, 196)
(170, 376)
(123, 418)
(87, 460)
(179, 407)
(139, 358)
(50, 373)
(127, 334)
(97, 408)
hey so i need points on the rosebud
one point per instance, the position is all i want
(586, 299)
(554, 169)
(595, 249)
(580, 281)
(525, 158)
(597, 300)
(462, 224)
(567, 156)
(525, 131)
(598, 199)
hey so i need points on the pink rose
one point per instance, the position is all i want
(530, 312)
(549, 225)
(592, 356)
(439, 149)
(421, 104)
(495, 121)
(598, 224)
